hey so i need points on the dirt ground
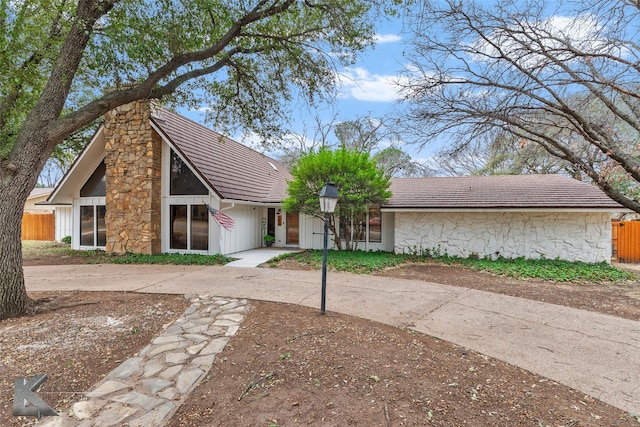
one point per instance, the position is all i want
(289, 366)
(76, 338)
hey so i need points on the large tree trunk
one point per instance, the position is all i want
(18, 176)
(13, 295)
(34, 144)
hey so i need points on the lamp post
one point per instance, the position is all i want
(328, 201)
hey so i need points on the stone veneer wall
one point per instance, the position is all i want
(133, 152)
(570, 236)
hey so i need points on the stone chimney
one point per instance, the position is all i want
(133, 152)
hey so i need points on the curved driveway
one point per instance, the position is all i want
(595, 353)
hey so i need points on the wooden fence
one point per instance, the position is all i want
(625, 239)
(38, 226)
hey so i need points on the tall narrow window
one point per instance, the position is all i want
(87, 230)
(199, 228)
(93, 230)
(375, 226)
(179, 227)
(101, 226)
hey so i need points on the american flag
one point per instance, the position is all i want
(221, 218)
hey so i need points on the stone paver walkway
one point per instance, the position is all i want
(147, 389)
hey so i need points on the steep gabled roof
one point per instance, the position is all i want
(235, 171)
(497, 192)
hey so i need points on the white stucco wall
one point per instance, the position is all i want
(565, 235)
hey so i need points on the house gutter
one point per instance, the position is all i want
(567, 209)
(251, 203)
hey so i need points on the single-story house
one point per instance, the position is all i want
(38, 220)
(141, 183)
(34, 200)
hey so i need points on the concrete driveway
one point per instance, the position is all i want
(594, 353)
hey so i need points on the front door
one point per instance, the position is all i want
(293, 229)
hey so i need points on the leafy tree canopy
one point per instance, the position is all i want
(245, 60)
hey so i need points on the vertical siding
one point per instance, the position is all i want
(64, 221)
(246, 232)
(311, 233)
(38, 226)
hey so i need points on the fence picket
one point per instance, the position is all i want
(626, 241)
(38, 226)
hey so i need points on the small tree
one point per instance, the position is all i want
(360, 185)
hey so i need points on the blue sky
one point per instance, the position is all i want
(367, 87)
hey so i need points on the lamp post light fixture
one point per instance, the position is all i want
(328, 201)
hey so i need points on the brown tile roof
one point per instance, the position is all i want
(239, 173)
(497, 192)
(235, 171)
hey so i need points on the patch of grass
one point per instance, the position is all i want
(520, 268)
(558, 270)
(172, 259)
(350, 261)
(35, 249)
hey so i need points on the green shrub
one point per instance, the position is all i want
(520, 268)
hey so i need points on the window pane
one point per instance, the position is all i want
(183, 181)
(178, 227)
(96, 185)
(102, 226)
(199, 228)
(86, 226)
(375, 226)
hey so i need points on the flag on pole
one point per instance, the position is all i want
(220, 217)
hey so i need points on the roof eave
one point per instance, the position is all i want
(504, 209)
(252, 202)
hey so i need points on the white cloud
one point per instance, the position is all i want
(360, 84)
(555, 33)
(387, 38)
